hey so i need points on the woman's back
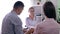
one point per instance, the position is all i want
(49, 26)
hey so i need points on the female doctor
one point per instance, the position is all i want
(30, 21)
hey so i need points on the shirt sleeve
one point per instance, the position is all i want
(17, 26)
(27, 23)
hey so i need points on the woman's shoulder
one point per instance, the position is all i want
(47, 21)
(27, 18)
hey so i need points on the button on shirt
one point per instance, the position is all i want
(12, 24)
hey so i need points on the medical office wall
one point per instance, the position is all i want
(55, 2)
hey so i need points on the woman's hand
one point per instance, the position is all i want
(24, 30)
(30, 31)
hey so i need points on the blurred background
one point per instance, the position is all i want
(7, 5)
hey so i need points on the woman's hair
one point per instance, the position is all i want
(31, 8)
(49, 10)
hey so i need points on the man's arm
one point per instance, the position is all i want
(17, 26)
(18, 29)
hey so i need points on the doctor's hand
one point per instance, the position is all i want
(30, 31)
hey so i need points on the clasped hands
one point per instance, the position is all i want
(29, 31)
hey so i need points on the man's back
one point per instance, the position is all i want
(12, 24)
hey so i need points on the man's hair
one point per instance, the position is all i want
(18, 4)
(49, 10)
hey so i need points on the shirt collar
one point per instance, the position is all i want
(13, 12)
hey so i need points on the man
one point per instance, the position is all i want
(11, 23)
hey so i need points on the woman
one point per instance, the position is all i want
(30, 22)
(49, 25)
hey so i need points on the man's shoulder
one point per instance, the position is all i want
(9, 16)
